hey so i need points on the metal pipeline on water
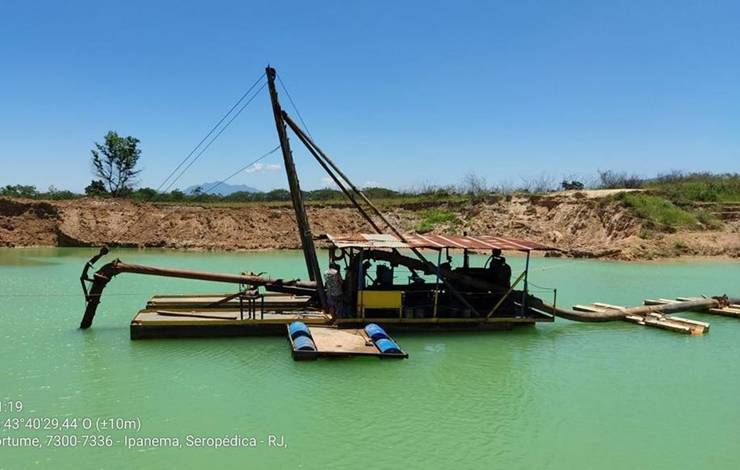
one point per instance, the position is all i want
(620, 314)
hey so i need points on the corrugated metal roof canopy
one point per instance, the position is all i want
(478, 242)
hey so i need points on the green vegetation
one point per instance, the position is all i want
(381, 196)
(19, 190)
(114, 162)
(432, 217)
(708, 220)
(670, 200)
(676, 200)
(663, 214)
(697, 187)
(677, 186)
(30, 192)
(658, 211)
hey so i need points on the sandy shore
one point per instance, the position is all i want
(583, 227)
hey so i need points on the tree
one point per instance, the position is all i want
(115, 162)
(19, 190)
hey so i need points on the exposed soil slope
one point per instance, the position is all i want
(582, 225)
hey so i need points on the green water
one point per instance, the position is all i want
(560, 396)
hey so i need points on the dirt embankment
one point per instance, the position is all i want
(581, 225)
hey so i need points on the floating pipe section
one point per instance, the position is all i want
(108, 271)
(620, 314)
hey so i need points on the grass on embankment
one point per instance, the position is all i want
(662, 214)
(681, 200)
(433, 217)
(697, 187)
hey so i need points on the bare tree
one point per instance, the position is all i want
(609, 179)
(541, 183)
(473, 185)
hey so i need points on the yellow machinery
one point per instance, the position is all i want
(379, 299)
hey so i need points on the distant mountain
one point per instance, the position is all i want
(223, 189)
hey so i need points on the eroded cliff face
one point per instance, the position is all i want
(28, 223)
(582, 226)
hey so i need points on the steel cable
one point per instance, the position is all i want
(202, 151)
(219, 183)
(290, 98)
(213, 129)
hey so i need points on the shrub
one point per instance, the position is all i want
(433, 217)
(19, 190)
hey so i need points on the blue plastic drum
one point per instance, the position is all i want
(375, 332)
(387, 346)
(304, 343)
(297, 329)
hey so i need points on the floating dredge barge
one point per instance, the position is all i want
(428, 295)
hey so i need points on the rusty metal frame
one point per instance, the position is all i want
(310, 143)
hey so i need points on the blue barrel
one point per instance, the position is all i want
(304, 343)
(387, 346)
(298, 328)
(375, 332)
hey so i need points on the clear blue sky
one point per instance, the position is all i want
(399, 93)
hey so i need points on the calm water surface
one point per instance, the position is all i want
(559, 396)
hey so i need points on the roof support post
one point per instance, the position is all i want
(526, 285)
